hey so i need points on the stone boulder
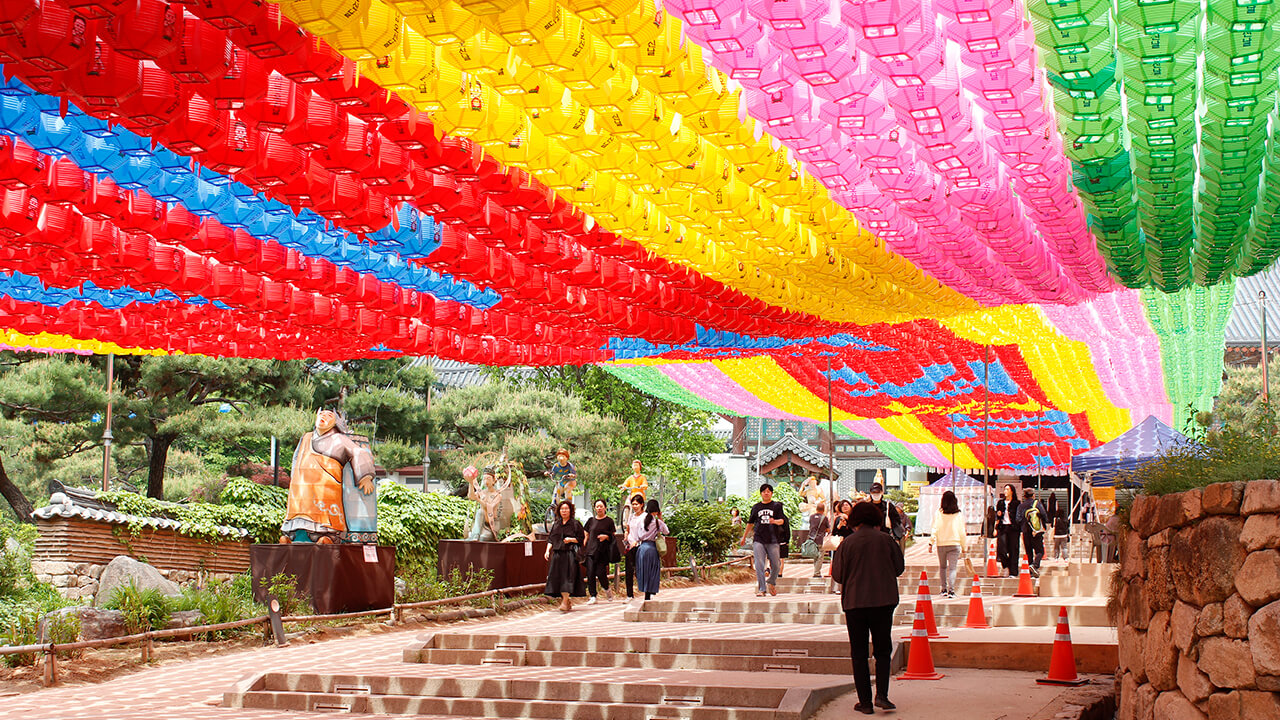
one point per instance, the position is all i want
(1259, 580)
(1261, 532)
(1175, 706)
(1227, 662)
(1222, 498)
(1261, 496)
(1264, 639)
(124, 570)
(1204, 560)
(184, 619)
(95, 623)
(1160, 654)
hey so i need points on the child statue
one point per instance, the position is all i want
(637, 484)
(565, 476)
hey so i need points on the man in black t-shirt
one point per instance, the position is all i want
(767, 519)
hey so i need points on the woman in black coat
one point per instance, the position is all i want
(1008, 530)
(602, 549)
(564, 577)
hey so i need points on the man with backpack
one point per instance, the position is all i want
(1034, 518)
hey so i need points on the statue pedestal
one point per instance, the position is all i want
(513, 563)
(337, 578)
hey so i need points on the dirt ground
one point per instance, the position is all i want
(99, 665)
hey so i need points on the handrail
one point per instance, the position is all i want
(50, 650)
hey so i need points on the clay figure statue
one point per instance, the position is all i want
(499, 507)
(565, 476)
(637, 484)
(332, 493)
(812, 494)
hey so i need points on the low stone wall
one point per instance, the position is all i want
(1198, 606)
(79, 581)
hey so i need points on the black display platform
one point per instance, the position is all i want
(337, 578)
(513, 563)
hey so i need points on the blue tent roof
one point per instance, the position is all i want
(1139, 445)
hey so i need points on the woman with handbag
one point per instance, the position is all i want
(601, 550)
(819, 527)
(648, 559)
(564, 576)
(949, 537)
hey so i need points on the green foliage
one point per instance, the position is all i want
(259, 509)
(221, 602)
(395, 454)
(1242, 451)
(908, 502)
(704, 530)
(143, 609)
(20, 629)
(423, 583)
(529, 424)
(284, 587)
(415, 522)
(63, 630)
(23, 598)
(660, 433)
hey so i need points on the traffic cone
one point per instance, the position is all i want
(993, 570)
(919, 657)
(1025, 587)
(1062, 663)
(977, 618)
(924, 604)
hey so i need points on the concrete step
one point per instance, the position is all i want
(1043, 612)
(1029, 649)
(665, 661)
(1075, 586)
(906, 586)
(485, 692)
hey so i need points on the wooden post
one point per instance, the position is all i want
(50, 666)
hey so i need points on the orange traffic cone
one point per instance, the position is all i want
(924, 604)
(919, 657)
(1062, 663)
(1025, 587)
(977, 618)
(993, 570)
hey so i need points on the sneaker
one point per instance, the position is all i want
(1035, 572)
(592, 601)
(883, 702)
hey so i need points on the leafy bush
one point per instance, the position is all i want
(20, 629)
(259, 509)
(284, 587)
(143, 609)
(415, 522)
(1233, 453)
(221, 602)
(422, 583)
(62, 630)
(703, 530)
(23, 598)
(908, 502)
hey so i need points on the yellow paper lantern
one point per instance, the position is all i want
(638, 26)
(472, 114)
(564, 120)
(404, 67)
(374, 35)
(598, 11)
(617, 93)
(657, 55)
(324, 17)
(444, 26)
(527, 23)
(522, 83)
(481, 54)
(594, 68)
(488, 7)
(442, 85)
(560, 51)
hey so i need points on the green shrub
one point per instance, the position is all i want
(222, 602)
(62, 630)
(422, 582)
(143, 609)
(703, 530)
(1233, 453)
(284, 588)
(20, 629)
(415, 522)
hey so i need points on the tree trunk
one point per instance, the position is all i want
(17, 499)
(156, 463)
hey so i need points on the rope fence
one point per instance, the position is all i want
(395, 615)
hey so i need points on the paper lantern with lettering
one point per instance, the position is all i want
(202, 54)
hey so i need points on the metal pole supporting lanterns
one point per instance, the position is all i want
(1266, 371)
(106, 432)
(831, 438)
(986, 426)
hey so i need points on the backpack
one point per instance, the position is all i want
(1034, 521)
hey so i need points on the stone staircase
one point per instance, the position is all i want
(727, 651)
(545, 693)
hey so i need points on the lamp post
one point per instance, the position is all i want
(106, 433)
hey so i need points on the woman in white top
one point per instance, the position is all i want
(648, 560)
(949, 536)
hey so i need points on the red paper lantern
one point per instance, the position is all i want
(165, 267)
(237, 151)
(244, 83)
(198, 128)
(271, 36)
(105, 80)
(352, 151)
(56, 40)
(318, 127)
(20, 165)
(65, 184)
(310, 63)
(19, 213)
(278, 162)
(202, 53)
(15, 14)
(282, 102)
(158, 101)
(149, 30)
(229, 14)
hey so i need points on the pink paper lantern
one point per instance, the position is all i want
(789, 15)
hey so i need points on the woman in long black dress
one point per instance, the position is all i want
(564, 577)
(602, 549)
(648, 560)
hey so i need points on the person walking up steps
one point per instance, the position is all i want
(766, 521)
(819, 526)
(648, 559)
(867, 565)
(630, 543)
(1008, 531)
(949, 537)
(601, 550)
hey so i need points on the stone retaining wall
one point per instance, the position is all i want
(79, 581)
(1199, 605)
